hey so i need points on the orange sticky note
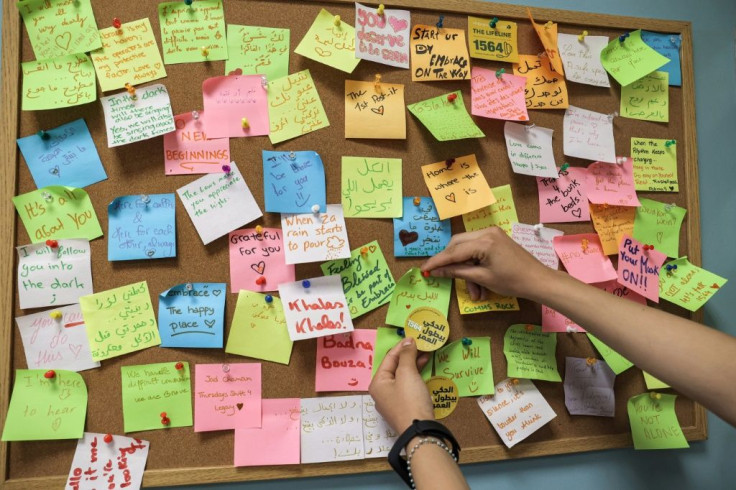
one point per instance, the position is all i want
(611, 222)
(545, 88)
(548, 35)
(457, 186)
(374, 110)
(438, 54)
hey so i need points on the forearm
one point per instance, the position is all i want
(433, 467)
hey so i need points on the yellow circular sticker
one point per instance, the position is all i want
(444, 395)
(428, 327)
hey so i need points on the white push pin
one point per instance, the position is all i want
(264, 82)
(620, 160)
(225, 368)
(189, 286)
(145, 199)
(668, 207)
(195, 115)
(538, 228)
(612, 115)
(292, 155)
(571, 329)
(315, 208)
(529, 127)
(47, 196)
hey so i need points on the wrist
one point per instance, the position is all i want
(544, 285)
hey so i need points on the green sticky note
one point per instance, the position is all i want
(371, 187)
(655, 165)
(294, 107)
(258, 329)
(366, 278)
(446, 120)
(44, 409)
(56, 212)
(386, 338)
(653, 383)
(61, 82)
(119, 321)
(615, 361)
(654, 423)
(530, 353)
(192, 33)
(258, 51)
(659, 224)
(60, 27)
(330, 42)
(150, 390)
(468, 366)
(688, 285)
(631, 59)
(502, 213)
(413, 290)
(647, 98)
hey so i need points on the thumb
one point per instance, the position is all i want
(408, 355)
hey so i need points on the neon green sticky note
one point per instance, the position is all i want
(413, 290)
(371, 187)
(654, 422)
(60, 82)
(530, 353)
(659, 224)
(294, 107)
(330, 41)
(469, 366)
(630, 59)
(46, 408)
(150, 390)
(647, 98)
(615, 361)
(653, 383)
(258, 51)
(56, 212)
(192, 33)
(366, 278)
(119, 321)
(386, 338)
(688, 285)
(655, 165)
(446, 119)
(502, 213)
(258, 329)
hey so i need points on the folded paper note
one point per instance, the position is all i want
(581, 59)
(468, 365)
(192, 33)
(654, 422)
(330, 41)
(659, 223)
(615, 361)
(257, 260)
(687, 285)
(589, 387)
(497, 96)
(545, 88)
(627, 58)
(530, 150)
(538, 242)
(457, 186)
(57, 28)
(639, 269)
(119, 462)
(530, 353)
(589, 135)
(446, 117)
(612, 184)
(383, 38)
(583, 257)
(144, 115)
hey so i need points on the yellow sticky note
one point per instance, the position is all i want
(655, 164)
(294, 107)
(60, 82)
(611, 222)
(548, 35)
(545, 89)
(374, 110)
(495, 302)
(647, 98)
(502, 213)
(330, 41)
(438, 54)
(488, 43)
(457, 186)
(192, 33)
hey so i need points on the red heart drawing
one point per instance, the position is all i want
(398, 24)
(407, 237)
(260, 267)
(450, 197)
(378, 110)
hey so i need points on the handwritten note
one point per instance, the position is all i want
(468, 366)
(276, 441)
(228, 100)
(129, 120)
(227, 396)
(316, 311)
(315, 237)
(256, 50)
(647, 98)
(583, 257)
(668, 45)
(530, 150)
(494, 301)
(119, 321)
(188, 150)
(330, 42)
(374, 110)
(639, 269)
(612, 184)
(294, 107)
(545, 88)
(142, 227)
(382, 38)
(192, 315)
(371, 187)
(582, 59)
(654, 422)
(493, 43)
(332, 429)
(655, 165)
(497, 97)
(438, 54)
(630, 59)
(120, 462)
(547, 33)
(293, 182)
(589, 388)
(688, 286)
(60, 82)
(658, 223)
(344, 361)
(150, 390)
(615, 361)
(502, 213)
(44, 409)
(378, 436)
(128, 55)
(57, 212)
(187, 29)
(257, 260)
(588, 135)
(564, 199)
(537, 242)
(447, 120)
(457, 186)
(412, 291)
(530, 353)
(611, 223)
(420, 232)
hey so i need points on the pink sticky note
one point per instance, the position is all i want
(583, 257)
(498, 97)
(258, 262)
(638, 269)
(188, 151)
(277, 441)
(612, 183)
(227, 396)
(230, 99)
(564, 199)
(344, 361)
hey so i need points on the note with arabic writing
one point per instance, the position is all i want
(654, 422)
(468, 366)
(129, 120)
(235, 106)
(276, 441)
(120, 462)
(294, 107)
(497, 96)
(156, 396)
(429, 45)
(189, 150)
(371, 187)
(564, 199)
(547, 33)
(192, 315)
(192, 33)
(530, 150)
(668, 45)
(589, 388)
(374, 110)
(588, 135)
(293, 182)
(315, 237)
(383, 38)
(257, 260)
(258, 329)
(141, 227)
(59, 82)
(420, 232)
(639, 269)
(530, 353)
(502, 213)
(582, 59)
(344, 361)
(330, 41)
(615, 361)
(630, 59)
(315, 311)
(256, 50)
(44, 409)
(545, 88)
(457, 186)
(119, 321)
(688, 285)
(610, 223)
(655, 164)
(493, 302)
(537, 242)
(447, 120)
(647, 98)
(332, 429)
(659, 224)
(413, 291)
(583, 257)
(497, 43)
(227, 396)
(612, 184)
(378, 436)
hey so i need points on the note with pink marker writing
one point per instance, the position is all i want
(344, 361)
(583, 257)
(498, 96)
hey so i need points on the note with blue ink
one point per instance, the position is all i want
(293, 181)
(668, 45)
(420, 232)
(142, 227)
(192, 315)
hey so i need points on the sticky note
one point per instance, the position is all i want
(382, 38)
(257, 261)
(152, 389)
(588, 135)
(227, 396)
(502, 213)
(128, 55)
(647, 98)
(258, 329)
(256, 50)
(386, 338)
(447, 120)
(668, 45)
(315, 237)
(57, 212)
(141, 227)
(630, 59)
(192, 315)
(68, 157)
(469, 366)
(60, 82)
(230, 99)
(615, 361)
(371, 187)
(316, 311)
(530, 353)
(412, 291)
(530, 150)
(51, 343)
(547, 33)
(457, 187)
(276, 441)
(545, 88)
(187, 150)
(494, 302)
(54, 276)
(610, 223)
(187, 29)
(119, 321)
(430, 43)
(122, 460)
(294, 107)
(128, 120)
(659, 224)
(497, 97)
(420, 232)
(654, 422)
(612, 184)
(639, 269)
(293, 182)
(338, 441)
(589, 388)
(653, 383)
(374, 110)
(564, 199)
(516, 411)
(655, 165)
(537, 242)
(344, 361)
(488, 43)
(582, 59)
(366, 278)
(378, 436)
(219, 203)
(58, 28)
(583, 257)
(330, 42)
(688, 286)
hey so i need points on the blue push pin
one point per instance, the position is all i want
(400, 332)
(306, 283)
(623, 37)
(493, 22)
(670, 268)
(43, 135)
(467, 342)
(188, 2)
(440, 22)
(269, 299)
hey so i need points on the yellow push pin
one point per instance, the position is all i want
(581, 36)
(591, 361)
(377, 83)
(529, 328)
(515, 381)
(55, 315)
(259, 230)
(244, 122)
(655, 396)
(380, 9)
(205, 51)
(337, 20)
(364, 251)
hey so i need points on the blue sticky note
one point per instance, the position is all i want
(420, 232)
(67, 157)
(141, 227)
(293, 181)
(667, 45)
(192, 315)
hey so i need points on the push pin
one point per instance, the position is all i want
(116, 23)
(259, 230)
(529, 328)
(620, 160)
(655, 396)
(55, 315)
(400, 332)
(188, 286)
(292, 155)
(581, 36)
(493, 22)
(529, 127)
(225, 368)
(188, 3)
(538, 228)
(451, 97)
(670, 268)
(584, 245)
(131, 89)
(205, 52)
(571, 329)
(449, 162)
(306, 284)
(179, 366)
(261, 281)
(604, 205)
(564, 167)
(647, 247)
(668, 207)
(377, 83)
(151, 252)
(425, 274)
(227, 169)
(417, 201)
(364, 251)
(500, 72)
(52, 243)
(195, 115)
(669, 143)
(50, 374)
(337, 21)
(269, 299)
(612, 115)
(548, 24)
(515, 381)
(145, 199)
(47, 196)
(164, 419)
(54, 171)
(43, 135)
(244, 123)
(467, 342)
(315, 208)
(440, 22)
(591, 361)
(107, 438)
(623, 37)
(380, 9)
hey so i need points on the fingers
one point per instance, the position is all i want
(468, 250)
(407, 355)
(474, 291)
(471, 273)
(423, 359)
(390, 362)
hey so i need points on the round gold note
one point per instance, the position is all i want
(428, 327)
(444, 395)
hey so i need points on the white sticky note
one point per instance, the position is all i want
(129, 120)
(315, 237)
(378, 436)
(537, 242)
(582, 59)
(530, 150)
(382, 38)
(588, 135)
(98, 464)
(332, 429)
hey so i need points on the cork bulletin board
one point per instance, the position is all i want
(179, 456)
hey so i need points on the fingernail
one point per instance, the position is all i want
(407, 342)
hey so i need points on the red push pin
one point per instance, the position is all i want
(49, 374)
(261, 281)
(52, 243)
(164, 419)
(646, 248)
(116, 23)
(425, 273)
(179, 366)
(451, 97)
(107, 438)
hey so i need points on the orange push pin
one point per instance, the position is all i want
(591, 361)
(107, 438)
(259, 230)
(417, 201)
(205, 52)
(529, 328)
(179, 366)
(377, 83)
(584, 244)
(131, 90)
(364, 251)
(261, 281)
(515, 381)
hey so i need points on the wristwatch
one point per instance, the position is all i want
(419, 428)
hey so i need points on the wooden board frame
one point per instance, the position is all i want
(11, 36)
